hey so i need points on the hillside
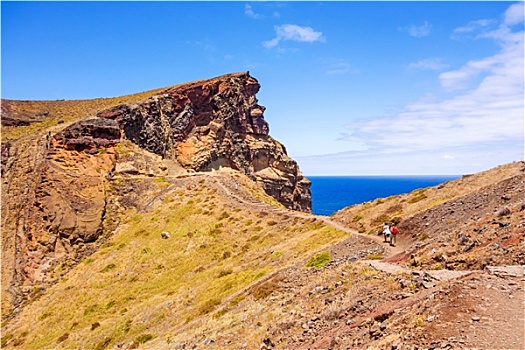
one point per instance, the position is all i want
(200, 237)
(475, 221)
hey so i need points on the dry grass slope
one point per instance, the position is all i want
(139, 287)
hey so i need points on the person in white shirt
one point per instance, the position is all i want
(386, 232)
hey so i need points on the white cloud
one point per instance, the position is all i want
(428, 64)
(480, 126)
(248, 11)
(514, 14)
(461, 161)
(293, 32)
(340, 67)
(472, 27)
(418, 32)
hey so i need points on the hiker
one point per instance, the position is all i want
(393, 237)
(236, 185)
(48, 139)
(386, 232)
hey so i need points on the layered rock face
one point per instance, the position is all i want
(53, 207)
(215, 123)
(89, 135)
(57, 201)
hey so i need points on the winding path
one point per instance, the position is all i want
(391, 251)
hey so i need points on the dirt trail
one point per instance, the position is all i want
(226, 183)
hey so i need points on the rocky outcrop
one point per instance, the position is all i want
(89, 135)
(53, 206)
(215, 123)
(57, 197)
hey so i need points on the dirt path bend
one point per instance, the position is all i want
(240, 195)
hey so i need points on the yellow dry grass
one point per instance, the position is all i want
(140, 287)
(63, 112)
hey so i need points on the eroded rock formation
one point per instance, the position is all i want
(215, 123)
(89, 135)
(53, 206)
(57, 199)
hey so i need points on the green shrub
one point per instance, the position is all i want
(103, 344)
(223, 273)
(374, 257)
(108, 268)
(417, 198)
(126, 327)
(220, 313)
(144, 338)
(395, 209)
(90, 309)
(319, 260)
(237, 300)
(264, 290)
(418, 321)
(223, 215)
(44, 315)
(380, 220)
(276, 255)
(5, 339)
(208, 306)
(418, 195)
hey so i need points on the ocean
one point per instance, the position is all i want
(331, 193)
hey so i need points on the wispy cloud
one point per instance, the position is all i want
(428, 64)
(248, 11)
(418, 31)
(340, 67)
(293, 32)
(482, 123)
(472, 27)
(205, 45)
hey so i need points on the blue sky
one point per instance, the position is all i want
(351, 88)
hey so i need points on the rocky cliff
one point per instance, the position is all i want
(211, 124)
(57, 200)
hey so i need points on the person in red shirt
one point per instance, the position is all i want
(393, 236)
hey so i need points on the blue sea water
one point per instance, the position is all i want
(331, 193)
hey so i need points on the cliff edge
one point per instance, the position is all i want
(58, 204)
(215, 123)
